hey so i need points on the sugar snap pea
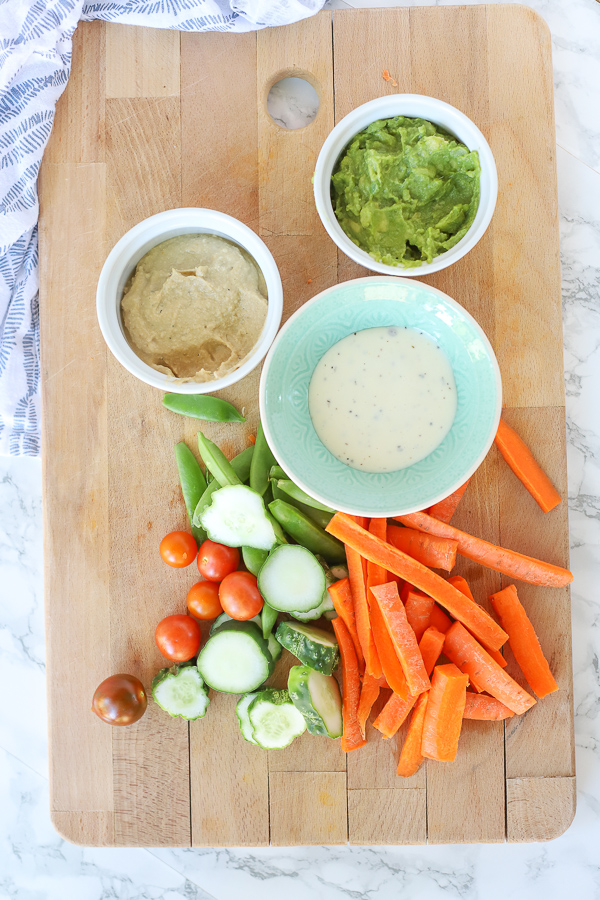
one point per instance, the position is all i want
(202, 406)
(253, 558)
(240, 465)
(292, 490)
(276, 473)
(306, 532)
(262, 461)
(193, 485)
(216, 461)
(268, 617)
(319, 516)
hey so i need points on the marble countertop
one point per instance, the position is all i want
(36, 863)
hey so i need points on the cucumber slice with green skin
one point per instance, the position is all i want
(325, 606)
(275, 648)
(314, 647)
(275, 720)
(318, 698)
(292, 578)
(181, 692)
(241, 710)
(237, 518)
(273, 644)
(223, 618)
(235, 658)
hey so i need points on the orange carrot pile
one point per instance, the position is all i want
(438, 553)
(392, 631)
(519, 457)
(523, 641)
(459, 606)
(516, 565)
(445, 509)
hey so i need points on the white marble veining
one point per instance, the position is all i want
(35, 864)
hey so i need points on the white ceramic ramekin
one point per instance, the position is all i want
(126, 254)
(414, 106)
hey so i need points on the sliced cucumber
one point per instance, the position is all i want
(272, 642)
(223, 618)
(235, 658)
(274, 719)
(241, 710)
(314, 647)
(318, 698)
(292, 578)
(324, 607)
(181, 692)
(237, 518)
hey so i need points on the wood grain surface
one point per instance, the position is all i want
(153, 120)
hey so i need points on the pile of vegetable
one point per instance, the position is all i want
(398, 625)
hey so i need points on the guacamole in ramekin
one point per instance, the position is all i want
(405, 190)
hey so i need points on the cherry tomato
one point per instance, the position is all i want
(178, 637)
(120, 700)
(203, 600)
(178, 549)
(215, 561)
(239, 595)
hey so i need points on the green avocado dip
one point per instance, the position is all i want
(405, 191)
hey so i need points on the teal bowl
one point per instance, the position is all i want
(372, 303)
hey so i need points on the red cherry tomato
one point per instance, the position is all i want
(215, 561)
(239, 596)
(120, 700)
(178, 549)
(203, 600)
(178, 637)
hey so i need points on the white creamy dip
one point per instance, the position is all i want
(382, 399)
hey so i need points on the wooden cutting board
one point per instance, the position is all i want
(156, 119)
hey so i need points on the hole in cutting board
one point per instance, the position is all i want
(292, 103)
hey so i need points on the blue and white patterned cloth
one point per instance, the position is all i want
(35, 60)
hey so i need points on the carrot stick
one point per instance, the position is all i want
(393, 715)
(341, 597)
(376, 574)
(519, 457)
(352, 738)
(445, 509)
(369, 693)
(464, 651)
(418, 612)
(459, 606)
(444, 713)
(435, 552)
(439, 619)
(523, 641)
(461, 585)
(516, 565)
(431, 645)
(403, 637)
(392, 668)
(361, 610)
(411, 757)
(480, 706)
